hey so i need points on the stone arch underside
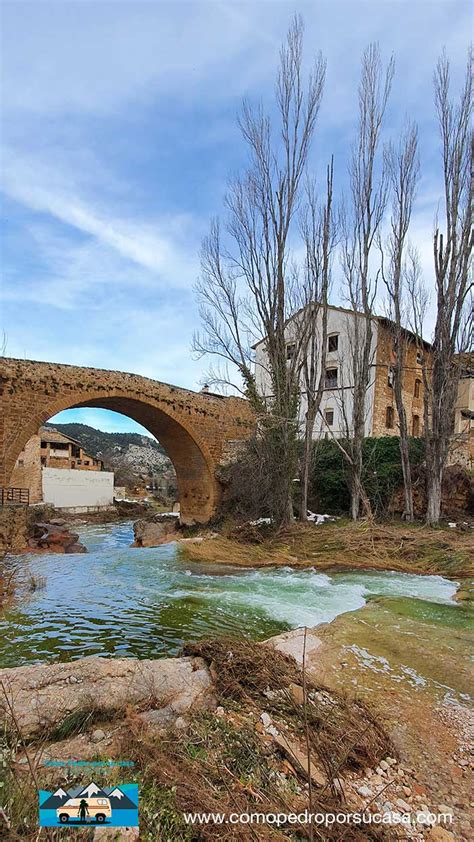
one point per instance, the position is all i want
(198, 489)
(195, 429)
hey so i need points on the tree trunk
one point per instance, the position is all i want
(307, 454)
(433, 507)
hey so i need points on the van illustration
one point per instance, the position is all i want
(85, 809)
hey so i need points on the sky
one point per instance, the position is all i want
(119, 135)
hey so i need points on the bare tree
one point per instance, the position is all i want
(248, 289)
(402, 167)
(452, 248)
(319, 234)
(360, 227)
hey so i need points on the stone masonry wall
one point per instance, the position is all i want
(192, 427)
(384, 395)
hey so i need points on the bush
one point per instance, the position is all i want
(382, 473)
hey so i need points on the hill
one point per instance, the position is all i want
(134, 458)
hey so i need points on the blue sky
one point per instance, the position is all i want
(118, 137)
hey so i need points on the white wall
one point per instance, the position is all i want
(340, 399)
(67, 488)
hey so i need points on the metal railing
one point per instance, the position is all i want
(14, 496)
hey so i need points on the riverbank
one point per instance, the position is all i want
(382, 716)
(343, 545)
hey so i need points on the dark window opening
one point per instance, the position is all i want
(417, 388)
(330, 381)
(329, 417)
(390, 377)
(290, 351)
(333, 342)
(415, 426)
(389, 417)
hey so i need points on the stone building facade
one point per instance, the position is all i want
(49, 449)
(336, 404)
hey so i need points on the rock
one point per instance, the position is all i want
(180, 724)
(296, 692)
(364, 791)
(292, 643)
(161, 718)
(440, 834)
(384, 765)
(107, 684)
(266, 719)
(299, 760)
(402, 805)
(97, 735)
(152, 533)
(391, 761)
(406, 791)
(76, 548)
(443, 808)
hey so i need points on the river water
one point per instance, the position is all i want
(123, 601)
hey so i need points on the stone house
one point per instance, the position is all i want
(49, 449)
(335, 414)
(463, 438)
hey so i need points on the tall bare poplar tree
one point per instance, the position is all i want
(452, 249)
(319, 234)
(402, 167)
(247, 289)
(361, 222)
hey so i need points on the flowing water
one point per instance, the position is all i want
(123, 601)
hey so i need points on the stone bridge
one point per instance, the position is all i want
(196, 429)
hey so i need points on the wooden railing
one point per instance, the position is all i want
(14, 496)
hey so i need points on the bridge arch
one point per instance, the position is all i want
(194, 429)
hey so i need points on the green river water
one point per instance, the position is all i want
(122, 601)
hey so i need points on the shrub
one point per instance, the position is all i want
(382, 473)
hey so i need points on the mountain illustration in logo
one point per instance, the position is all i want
(55, 800)
(91, 791)
(119, 800)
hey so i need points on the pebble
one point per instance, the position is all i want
(364, 791)
(219, 711)
(402, 805)
(384, 765)
(406, 791)
(266, 719)
(380, 771)
(98, 735)
(443, 808)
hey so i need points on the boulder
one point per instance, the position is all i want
(44, 695)
(152, 533)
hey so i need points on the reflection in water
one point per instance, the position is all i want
(145, 602)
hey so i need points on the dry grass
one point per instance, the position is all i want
(342, 546)
(222, 762)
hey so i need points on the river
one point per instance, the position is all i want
(122, 601)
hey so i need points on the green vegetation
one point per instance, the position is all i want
(382, 473)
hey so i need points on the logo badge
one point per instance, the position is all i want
(115, 806)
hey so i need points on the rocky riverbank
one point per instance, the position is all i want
(381, 709)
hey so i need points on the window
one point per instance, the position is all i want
(390, 377)
(43, 460)
(330, 381)
(44, 444)
(290, 351)
(415, 426)
(417, 388)
(333, 342)
(329, 417)
(419, 357)
(86, 462)
(389, 418)
(21, 462)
